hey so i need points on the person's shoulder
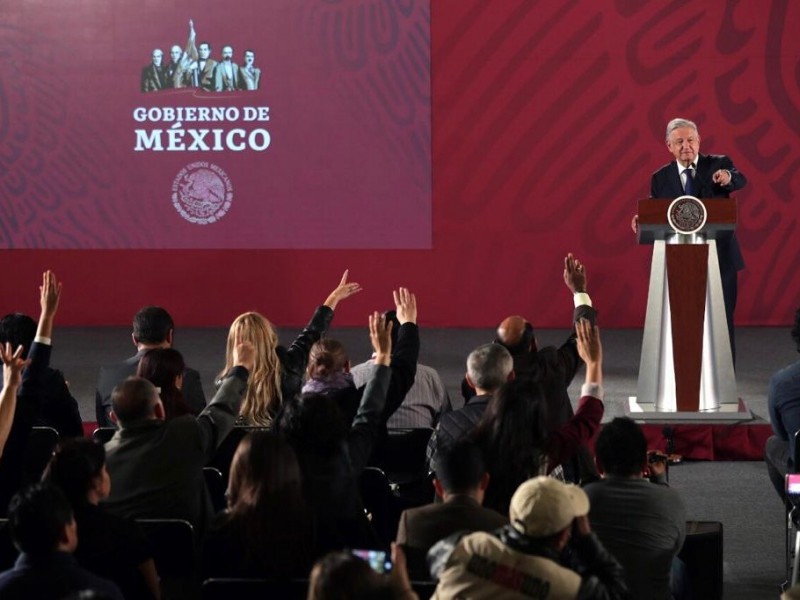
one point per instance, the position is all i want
(664, 168)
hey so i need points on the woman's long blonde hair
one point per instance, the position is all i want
(263, 397)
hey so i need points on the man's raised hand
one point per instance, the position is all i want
(406, 304)
(574, 274)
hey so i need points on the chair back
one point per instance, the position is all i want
(217, 485)
(42, 442)
(101, 435)
(376, 493)
(401, 454)
(223, 457)
(173, 545)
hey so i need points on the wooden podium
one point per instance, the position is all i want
(686, 368)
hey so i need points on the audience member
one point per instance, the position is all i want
(164, 368)
(521, 560)
(343, 576)
(783, 403)
(44, 531)
(153, 327)
(333, 453)
(157, 465)
(58, 408)
(550, 367)
(550, 370)
(460, 482)
(110, 546)
(268, 529)
(427, 399)
(513, 431)
(488, 367)
(22, 410)
(642, 524)
(278, 373)
(329, 366)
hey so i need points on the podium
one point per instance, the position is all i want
(686, 368)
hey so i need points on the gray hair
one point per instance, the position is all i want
(489, 366)
(678, 123)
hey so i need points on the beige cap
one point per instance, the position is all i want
(543, 506)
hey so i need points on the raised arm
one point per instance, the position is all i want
(405, 354)
(49, 295)
(563, 443)
(344, 290)
(13, 363)
(217, 419)
(367, 422)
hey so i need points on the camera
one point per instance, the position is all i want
(656, 457)
(377, 559)
(793, 485)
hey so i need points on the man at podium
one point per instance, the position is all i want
(702, 176)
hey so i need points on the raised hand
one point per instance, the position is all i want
(380, 335)
(49, 293)
(574, 274)
(342, 291)
(244, 354)
(406, 304)
(590, 350)
(13, 364)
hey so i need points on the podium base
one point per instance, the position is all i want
(727, 413)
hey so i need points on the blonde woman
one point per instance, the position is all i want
(278, 372)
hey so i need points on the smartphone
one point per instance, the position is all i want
(377, 559)
(793, 484)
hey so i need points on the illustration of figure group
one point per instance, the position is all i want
(194, 67)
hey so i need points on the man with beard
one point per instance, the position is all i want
(226, 73)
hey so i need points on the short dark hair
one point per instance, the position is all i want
(37, 516)
(19, 330)
(460, 466)
(74, 466)
(621, 447)
(152, 325)
(796, 329)
(133, 400)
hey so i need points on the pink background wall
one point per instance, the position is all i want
(547, 121)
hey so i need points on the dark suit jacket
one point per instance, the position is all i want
(420, 528)
(666, 183)
(153, 78)
(157, 466)
(112, 375)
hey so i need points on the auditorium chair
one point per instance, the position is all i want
(42, 442)
(376, 492)
(223, 457)
(101, 435)
(217, 485)
(402, 456)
